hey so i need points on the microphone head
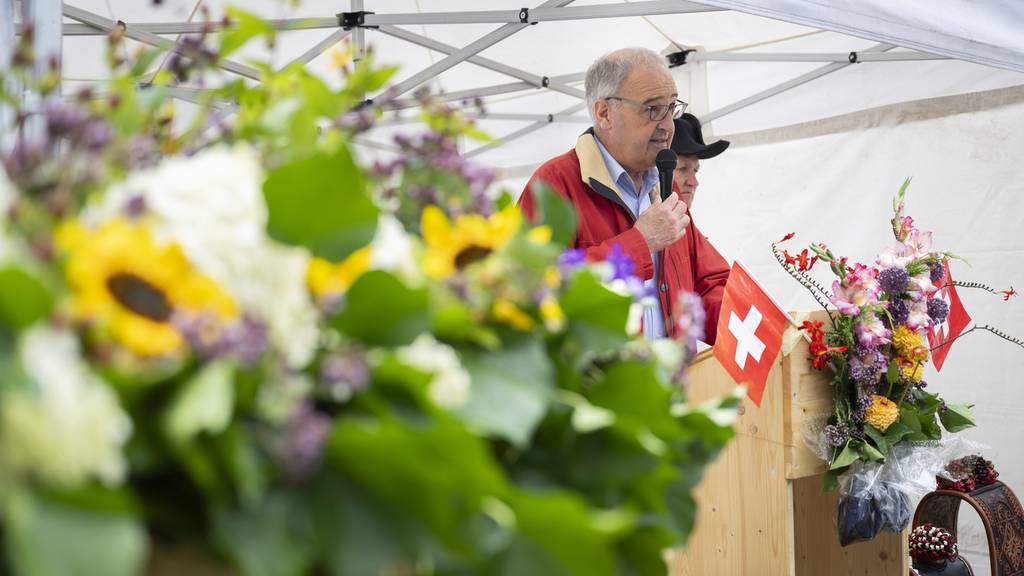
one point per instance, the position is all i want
(666, 160)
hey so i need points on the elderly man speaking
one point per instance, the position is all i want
(611, 179)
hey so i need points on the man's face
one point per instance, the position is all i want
(685, 177)
(632, 137)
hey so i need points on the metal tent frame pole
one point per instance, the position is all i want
(847, 57)
(524, 131)
(320, 47)
(469, 51)
(547, 12)
(787, 85)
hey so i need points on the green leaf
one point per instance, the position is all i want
(557, 536)
(870, 452)
(273, 538)
(596, 315)
(896, 432)
(631, 390)
(453, 323)
(892, 375)
(382, 311)
(880, 440)
(552, 210)
(245, 26)
(846, 457)
(321, 202)
(204, 404)
(23, 298)
(48, 538)
(435, 470)
(957, 417)
(510, 390)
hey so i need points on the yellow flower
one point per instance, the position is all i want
(326, 279)
(905, 340)
(552, 314)
(131, 286)
(453, 246)
(539, 235)
(911, 369)
(506, 311)
(552, 277)
(882, 412)
(341, 56)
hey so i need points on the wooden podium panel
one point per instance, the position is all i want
(761, 509)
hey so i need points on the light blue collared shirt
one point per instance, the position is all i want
(637, 202)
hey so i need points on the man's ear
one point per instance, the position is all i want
(602, 112)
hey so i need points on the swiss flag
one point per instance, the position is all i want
(955, 323)
(750, 328)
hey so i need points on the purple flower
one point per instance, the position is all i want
(306, 432)
(899, 311)
(893, 280)
(690, 318)
(572, 258)
(871, 332)
(837, 434)
(623, 267)
(247, 338)
(867, 369)
(938, 310)
(345, 373)
(921, 287)
(938, 271)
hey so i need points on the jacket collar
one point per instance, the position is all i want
(593, 170)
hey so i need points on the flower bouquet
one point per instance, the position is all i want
(883, 440)
(226, 340)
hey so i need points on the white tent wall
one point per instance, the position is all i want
(967, 188)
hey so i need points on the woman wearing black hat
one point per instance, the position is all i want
(688, 144)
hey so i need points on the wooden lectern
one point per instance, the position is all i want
(761, 509)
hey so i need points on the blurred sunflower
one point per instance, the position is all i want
(132, 286)
(326, 279)
(452, 246)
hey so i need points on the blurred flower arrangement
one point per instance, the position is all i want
(884, 420)
(230, 338)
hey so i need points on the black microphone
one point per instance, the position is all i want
(666, 163)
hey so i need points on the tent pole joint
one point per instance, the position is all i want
(350, 20)
(678, 58)
(852, 57)
(545, 81)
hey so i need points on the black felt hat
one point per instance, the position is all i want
(689, 141)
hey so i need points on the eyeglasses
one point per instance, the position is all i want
(657, 112)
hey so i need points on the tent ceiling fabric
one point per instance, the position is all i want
(974, 33)
(982, 32)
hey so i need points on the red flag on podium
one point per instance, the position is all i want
(956, 321)
(750, 328)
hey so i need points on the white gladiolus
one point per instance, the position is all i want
(70, 428)
(212, 205)
(449, 387)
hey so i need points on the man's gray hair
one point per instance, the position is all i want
(606, 75)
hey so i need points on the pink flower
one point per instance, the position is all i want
(918, 318)
(906, 226)
(897, 256)
(871, 332)
(921, 287)
(858, 289)
(920, 241)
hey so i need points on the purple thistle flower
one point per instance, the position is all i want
(623, 267)
(861, 407)
(134, 207)
(306, 432)
(893, 280)
(867, 369)
(938, 271)
(837, 434)
(247, 338)
(899, 311)
(938, 310)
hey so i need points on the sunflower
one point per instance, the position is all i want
(326, 279)
(453, 246)
(130, 285)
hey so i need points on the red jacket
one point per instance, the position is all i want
(691, 263)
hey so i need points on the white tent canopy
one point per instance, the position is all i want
(829, 104)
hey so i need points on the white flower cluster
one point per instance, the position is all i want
(212, 205)
(70, 428)
(449, 387)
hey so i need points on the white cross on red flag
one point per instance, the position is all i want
(750, 328)
(956, 321)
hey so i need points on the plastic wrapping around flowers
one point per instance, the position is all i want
(228, 337)
(883, 438)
